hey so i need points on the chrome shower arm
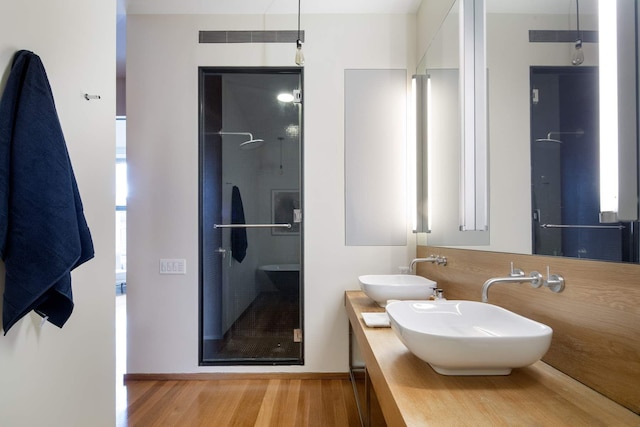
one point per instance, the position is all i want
(236, 133)
(578, 132)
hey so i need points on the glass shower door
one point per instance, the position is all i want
(250, 217)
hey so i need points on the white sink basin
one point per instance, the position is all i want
(468, 337)
(384, 287)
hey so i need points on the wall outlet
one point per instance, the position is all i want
(173, 266)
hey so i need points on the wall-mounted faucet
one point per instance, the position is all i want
(554, 282)
(437, 259)
(534, 278)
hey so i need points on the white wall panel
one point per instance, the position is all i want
(376, 157)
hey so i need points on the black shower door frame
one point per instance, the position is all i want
(213, 256)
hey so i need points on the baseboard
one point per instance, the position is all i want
(210, 376)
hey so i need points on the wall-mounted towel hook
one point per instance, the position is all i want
(90, 97)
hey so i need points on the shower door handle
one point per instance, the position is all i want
(222, 251)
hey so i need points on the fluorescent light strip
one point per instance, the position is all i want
(429, 154)
(608, 59)
(413, 151)
(421, 169)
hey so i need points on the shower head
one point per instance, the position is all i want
(250, 144)
(577, 133)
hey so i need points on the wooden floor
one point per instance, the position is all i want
(240, 402)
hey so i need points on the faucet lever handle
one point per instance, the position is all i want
(516, 272)
(554, 282)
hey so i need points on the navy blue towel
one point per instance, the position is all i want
(43, 232)
(238, 235)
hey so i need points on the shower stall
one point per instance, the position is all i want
(251, 229)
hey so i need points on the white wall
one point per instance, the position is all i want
(430, 15)
(66, 377)
(162, 112)
(121, 98)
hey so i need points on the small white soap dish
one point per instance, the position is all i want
(376, 320)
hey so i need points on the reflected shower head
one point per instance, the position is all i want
(547, 139)
(250, 144)
(577, 133)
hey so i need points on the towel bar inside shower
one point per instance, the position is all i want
(251, 225)
(619, 227)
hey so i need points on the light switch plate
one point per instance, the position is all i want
(173, 266)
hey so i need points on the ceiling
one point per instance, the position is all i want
(262, 7)
(309, 7)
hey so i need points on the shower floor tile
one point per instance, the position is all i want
(263, 333)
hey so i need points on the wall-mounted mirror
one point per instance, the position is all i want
(537, 97)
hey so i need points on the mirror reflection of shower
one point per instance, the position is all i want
(565, 155)
(249, 144)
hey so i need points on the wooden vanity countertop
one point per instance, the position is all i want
(411, 393)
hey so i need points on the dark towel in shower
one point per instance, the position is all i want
(43, 232)
(238, 235)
